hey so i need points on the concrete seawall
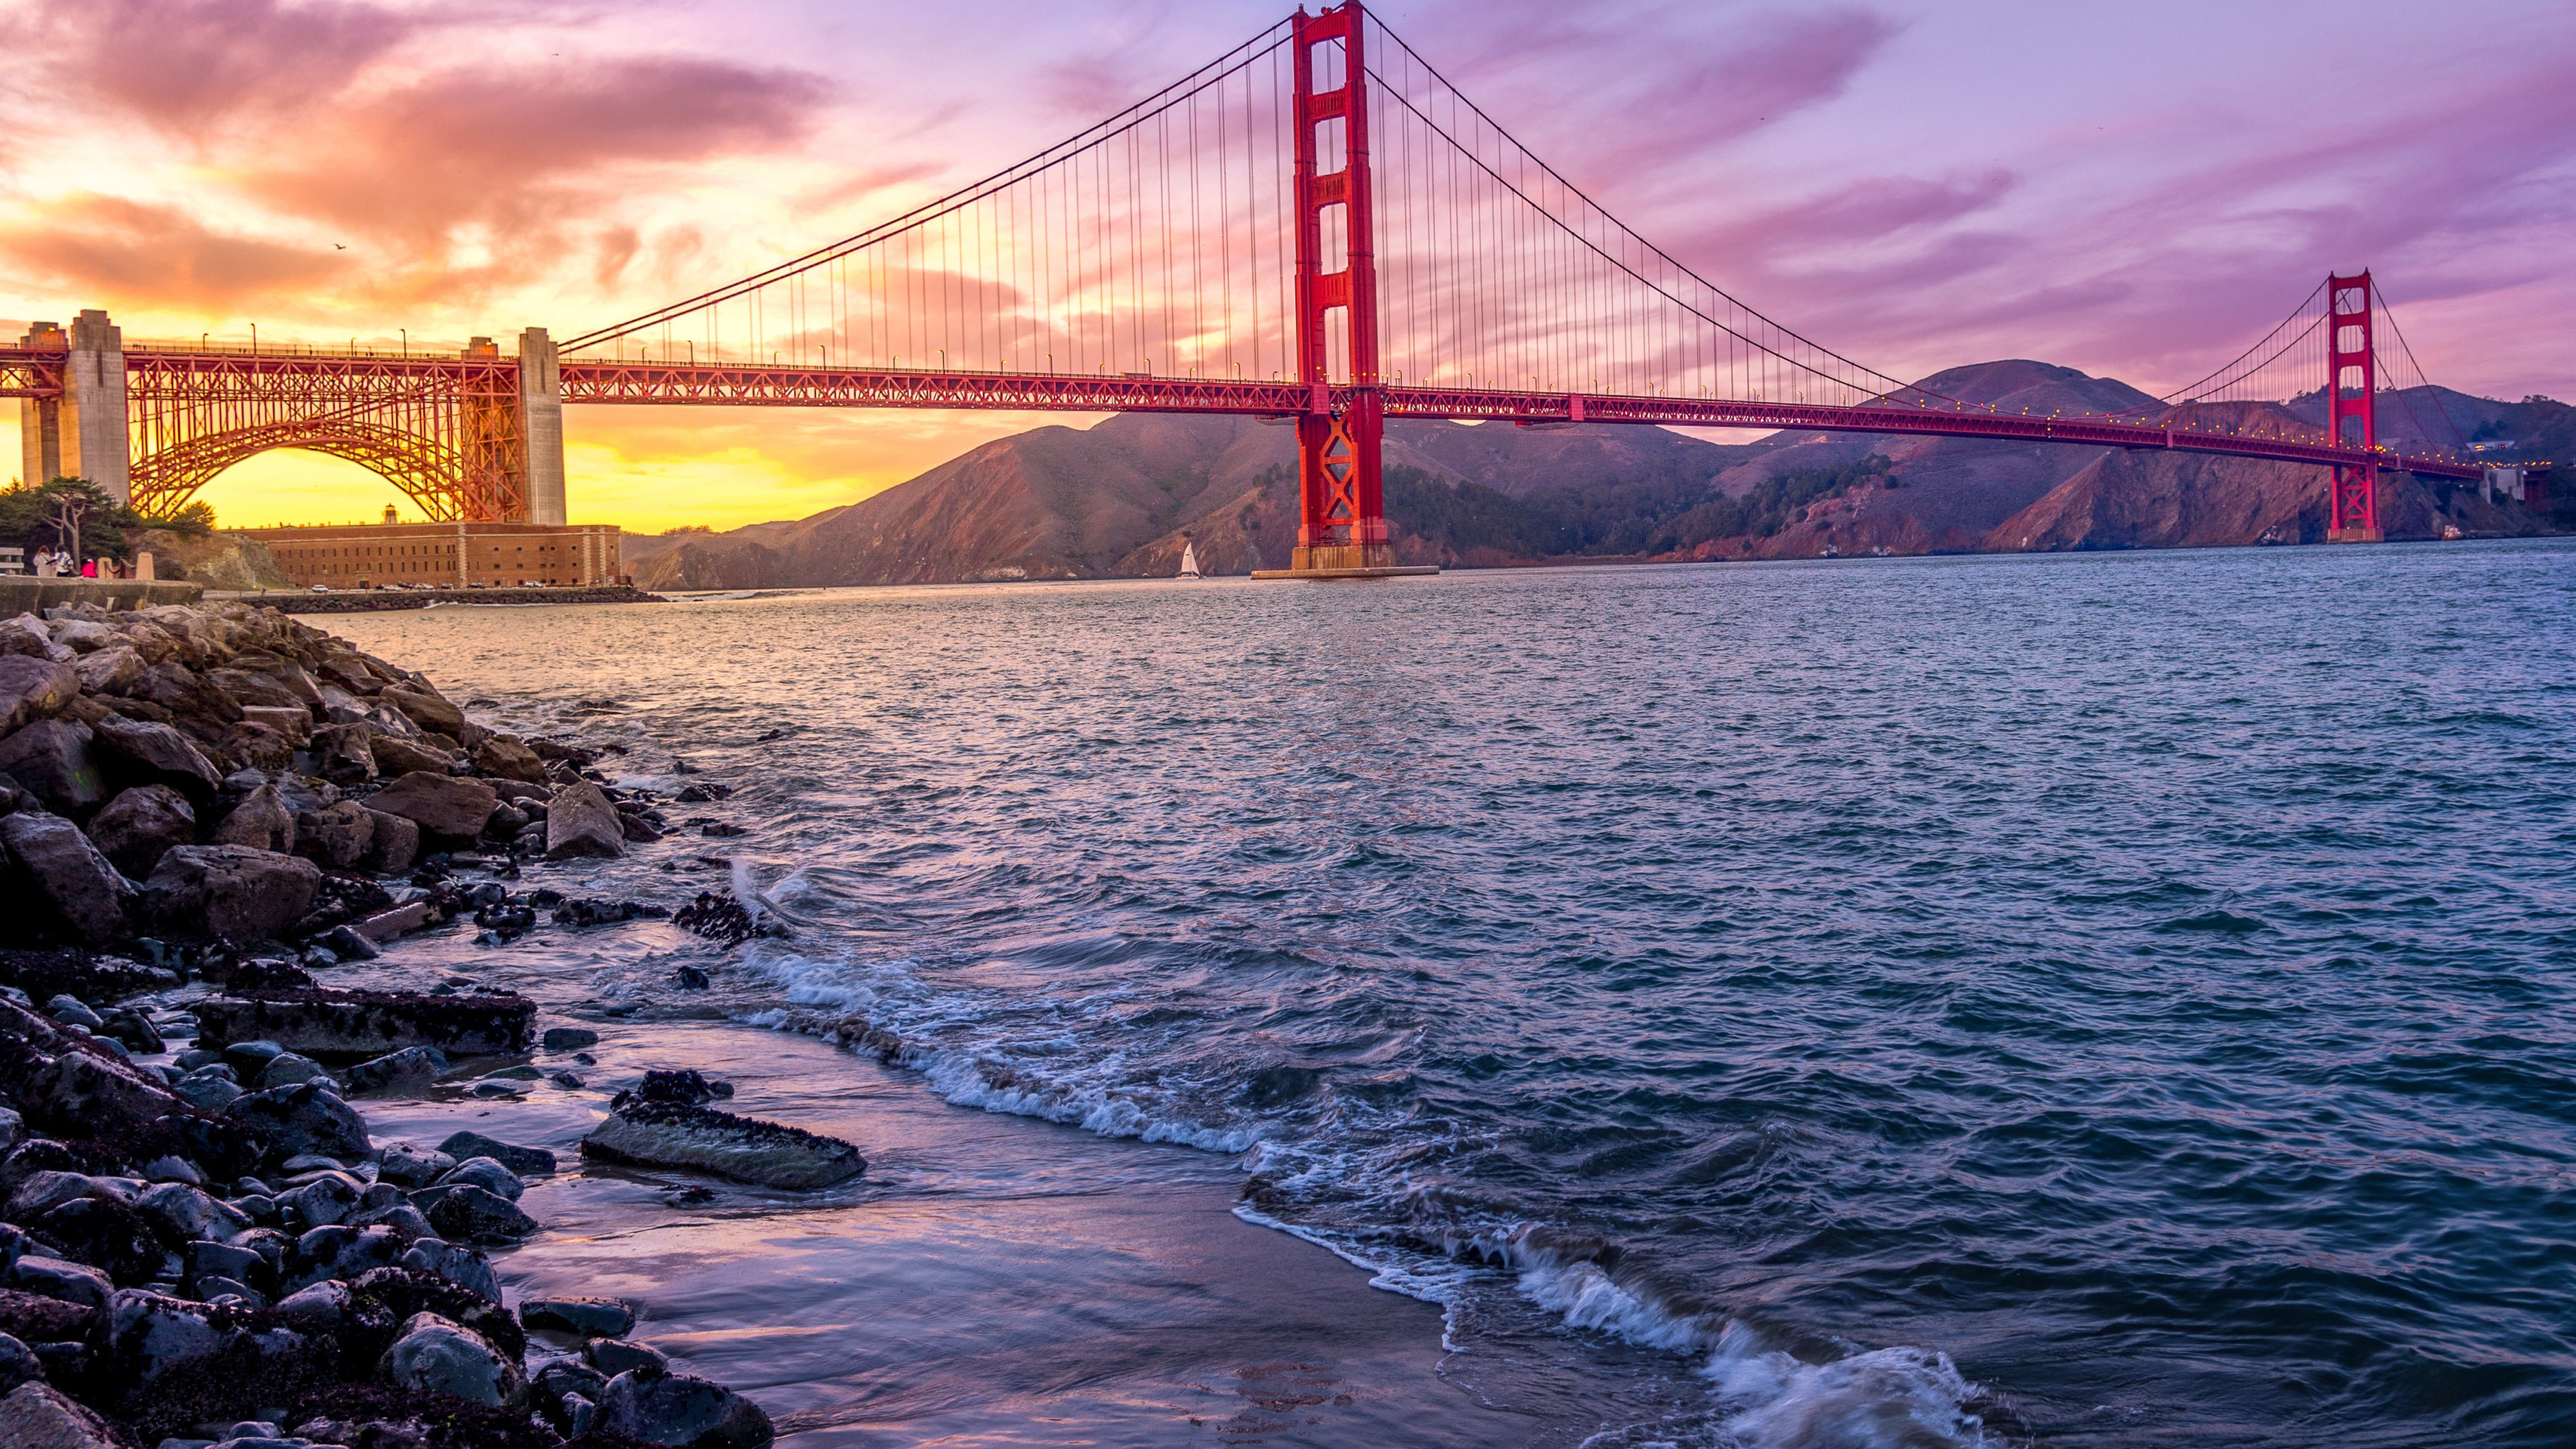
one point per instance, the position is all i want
(20, 594)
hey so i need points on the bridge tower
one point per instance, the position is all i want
(2352, 391)
(1341, 503)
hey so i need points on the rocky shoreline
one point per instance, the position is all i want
(201, 1241)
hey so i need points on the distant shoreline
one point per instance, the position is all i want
(370, 601)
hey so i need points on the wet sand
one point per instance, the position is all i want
(992, 1280)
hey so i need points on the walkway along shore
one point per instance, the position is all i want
(201, 1242)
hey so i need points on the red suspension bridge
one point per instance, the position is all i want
(1316, 227)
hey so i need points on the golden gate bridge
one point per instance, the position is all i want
(1316, 228)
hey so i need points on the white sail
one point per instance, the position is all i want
(1189, 561)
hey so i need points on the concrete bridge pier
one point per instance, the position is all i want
(81, 434)
(541, 425)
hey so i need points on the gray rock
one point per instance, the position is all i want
(223, 1260)
(393, 844)
(519, 1073)
(683, 1411)
(578, 1413)
(408, 1071)
(293, 721)
(288, 1068)
(232, 891)
(325, 1200)
(207, 1089)
(613, 1356)
(81, 1092)
(425, 709)
(42, 1191)
(249, 1058)
(580, 821)
(55, 1278)
(18, 1365)
(172, 1168)
(466, 1267)
(70, 874)
(525, 1161)
(261, 821)
(505, 758)
(12, 1128)
(408, 1166)
(33, 688)
(746, 1149)
(249, 742)
(168, 1362)
(317, 1308)
(181, 1213)
(140, 826)
(306, 1118)
(439, 1356)
(154, 754)
(465, 1213)
(51, 760)
(486, 1174)
(588, 1317)
(37, 1416)
(397, 756)
(569, 1038)
(345, 753)
(108, 671)
(325, 1024)
(336, 837)
(443, 806)
(72, 1011)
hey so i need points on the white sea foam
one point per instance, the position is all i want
(845, 1000)
(1891, 1398)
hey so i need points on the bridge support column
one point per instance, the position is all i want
(83, 433)
(1341, 505)
(541, 425)
(2352, 391)
(40, 419)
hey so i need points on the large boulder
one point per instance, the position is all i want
(326, 1025)
(25, 635)
(346, 753)
(263, 821)
(580, 821)
(505, 758)
(293, 721)
(464, 1213)
(141, 825)
(38, 1416)
(249, 689)
(256, 746)
(393, 843)
(304, 1119)
(337, 836)
(425, 709)
(746, 1149)
(232, 891)
(195, 705)
(433, 1355)
(143, 753)
(682, 1411)
(108, 671)
(51, 760)
(167, 1363)
(69, 874)
(32, 687)
(396, 756)
(443, 806)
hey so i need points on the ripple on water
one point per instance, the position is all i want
(1904, 1002)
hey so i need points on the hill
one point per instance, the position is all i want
(1121, 498)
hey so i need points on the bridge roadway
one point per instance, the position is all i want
(34, 373)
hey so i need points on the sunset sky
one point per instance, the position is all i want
(2130, 190)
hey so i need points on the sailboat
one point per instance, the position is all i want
(1189, 562)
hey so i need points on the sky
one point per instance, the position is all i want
(2136, 191)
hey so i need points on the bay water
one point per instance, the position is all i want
(2082, 1000)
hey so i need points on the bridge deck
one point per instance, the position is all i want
(33, 373)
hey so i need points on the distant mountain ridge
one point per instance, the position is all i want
(1121, 498)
